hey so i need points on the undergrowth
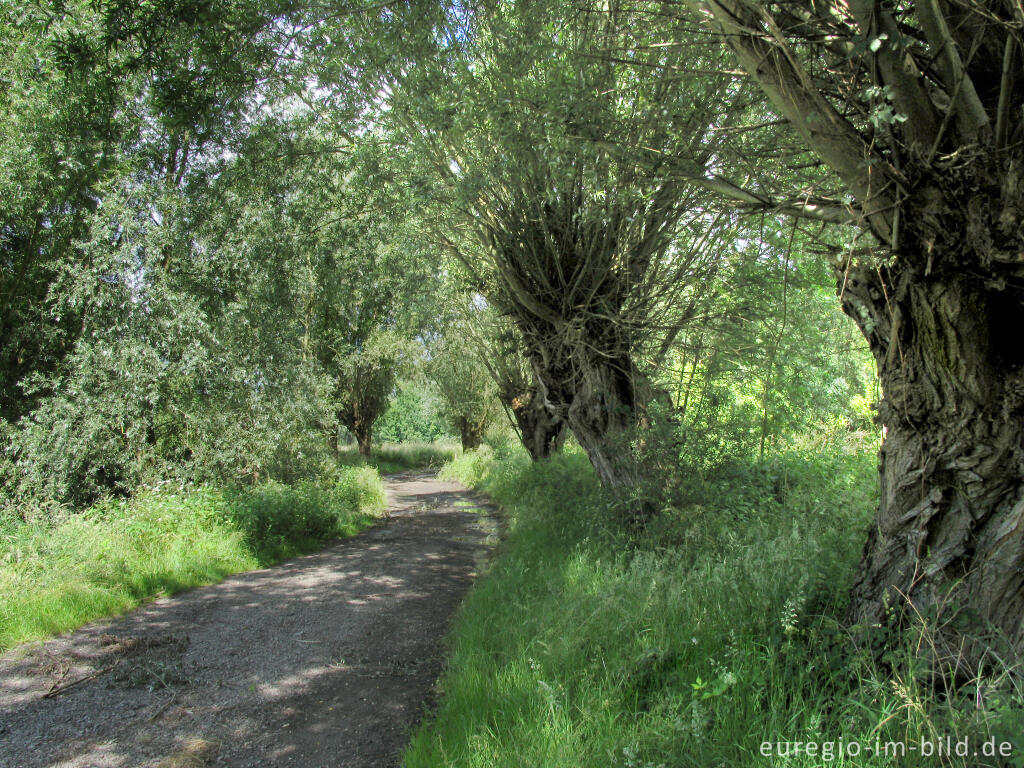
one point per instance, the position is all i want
(390, 458)
(712, 637)
(59, 570)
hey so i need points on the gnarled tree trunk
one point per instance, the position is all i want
(943, 321)
(596, 396)
(603, 417)
(541, 432)
(364, 438)
(471, 434)
(941, 188)
(360, 427)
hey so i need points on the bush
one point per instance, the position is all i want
(279, 520)
(413, 416)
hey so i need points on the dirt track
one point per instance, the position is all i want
(323, 661)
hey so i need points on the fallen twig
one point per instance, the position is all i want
(56, 691)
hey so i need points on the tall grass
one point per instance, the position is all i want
(60, 571)
(713, 634)
(390, 458)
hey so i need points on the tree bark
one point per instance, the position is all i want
(596, 396)
(360, 427)
(470, 434)
(364, 437)
(950, 527)
(943, 193)
(541, 432)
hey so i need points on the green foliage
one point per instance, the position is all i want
(59, 570)
(107, 111)
(413, 416)
(221, 341)
(392, 458)
(279, 520)
(201, 289)
(353, 275)
(364, 379)
(470, 468)
(553, 186)
(467, 392)
(688, 642)
(774, 364)
(188, 289)
(127, 352)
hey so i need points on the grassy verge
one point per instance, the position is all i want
(694, 643)
(59, 572)
(399, 457)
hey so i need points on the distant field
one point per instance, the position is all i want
(398, 457)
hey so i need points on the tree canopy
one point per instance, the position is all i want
(233, 228)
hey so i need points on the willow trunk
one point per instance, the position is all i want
(950, 527)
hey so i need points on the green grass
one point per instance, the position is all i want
(390, 458)
(59, 572)
(691, 643)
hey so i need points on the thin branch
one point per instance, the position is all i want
(970, 112)
(1006, 85)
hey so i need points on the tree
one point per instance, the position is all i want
(358, 269)
(490, 356)
(580, 244)
(500, 347)
(414, 415)
(773, 361)
(99, 97)
(468, 394)
(61, 138)
(364, 383)
(916, 108)
(112, 115)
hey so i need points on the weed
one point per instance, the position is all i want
(390, 458)
(61, 569)
(696, 641)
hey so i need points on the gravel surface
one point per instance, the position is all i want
(323, 661)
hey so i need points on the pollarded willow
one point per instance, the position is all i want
(557, 154)
(918, 110)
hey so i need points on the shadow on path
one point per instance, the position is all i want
(324, 660)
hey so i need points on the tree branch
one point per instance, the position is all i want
(970, 112)
(901, 74)
(766, 56)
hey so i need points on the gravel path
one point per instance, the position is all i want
(324, 661)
